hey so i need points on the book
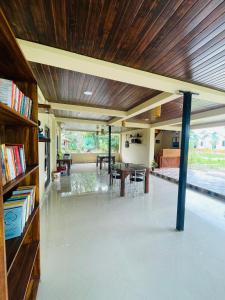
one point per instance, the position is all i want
(6, 91)
(13, 97)
(17, 210)
(13, 220)
(13, 161)
(27, 190)
(2, 161)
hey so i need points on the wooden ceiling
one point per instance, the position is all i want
(173, 109)
(59, 85)
(182, 39)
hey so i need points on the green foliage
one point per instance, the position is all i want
(81, 142)
(203, 158)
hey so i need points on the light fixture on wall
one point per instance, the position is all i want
(156, 112)
(127, 143)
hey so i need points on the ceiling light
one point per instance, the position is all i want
(88, 93)
(146, 119)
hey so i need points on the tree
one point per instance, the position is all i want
(214, 140)
(194, 140)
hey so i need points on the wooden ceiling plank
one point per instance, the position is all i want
(146, 106)
(79, 63)
(182, 33)
(203, 116)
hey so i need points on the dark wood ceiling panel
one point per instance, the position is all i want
(174, 109)
(59, 85)
(182, 39)
(80, 115)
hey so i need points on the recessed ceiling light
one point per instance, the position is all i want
(146, 119)
(88, 93)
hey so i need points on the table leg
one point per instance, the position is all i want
(147, 181)
(68, 168)
(97, 162)
(101, 163)
(122, 185)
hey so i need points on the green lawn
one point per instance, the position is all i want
(216, 160)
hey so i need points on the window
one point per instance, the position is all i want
(84, 142)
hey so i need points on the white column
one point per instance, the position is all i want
(151, 145)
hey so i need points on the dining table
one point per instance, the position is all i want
(104, 157)
(125, 169)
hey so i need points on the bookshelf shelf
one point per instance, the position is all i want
(19, 257)
(13, 183)
(13, 246)
(11, 117)
(23, 267)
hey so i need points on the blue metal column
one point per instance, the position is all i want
(183, 160)
(110, 153)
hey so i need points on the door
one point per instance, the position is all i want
(47, 158)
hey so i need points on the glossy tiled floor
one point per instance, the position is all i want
(209, 179)
(97, 246)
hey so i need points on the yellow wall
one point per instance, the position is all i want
(165, 137)
(88, 157)
(136, 153)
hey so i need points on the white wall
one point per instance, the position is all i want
(136, 153)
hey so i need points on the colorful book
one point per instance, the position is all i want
(13, 161)
(13, 219)
(6, 90)
(11, 96)
(4, 178)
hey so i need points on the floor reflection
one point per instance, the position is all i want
(80, 182)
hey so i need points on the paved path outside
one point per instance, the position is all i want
(209, 180)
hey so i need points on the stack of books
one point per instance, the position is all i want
(11, 95)
(12, 161)
(17, 210)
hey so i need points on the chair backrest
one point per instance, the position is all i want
(138, 174)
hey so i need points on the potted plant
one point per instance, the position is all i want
(154, 165)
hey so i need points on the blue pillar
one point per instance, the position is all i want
(183, 160)
(110, 153)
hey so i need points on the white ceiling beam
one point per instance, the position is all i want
(204, 117)
(153, 102)
(75, 62)
(88, 109)
(209, 125)
(171, 128)
(135, 125)
(80, 121)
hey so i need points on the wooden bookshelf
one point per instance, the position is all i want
(19, 257)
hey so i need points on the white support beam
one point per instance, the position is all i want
(80, 121)
(71, 61)
(153, 102)
(209, 125)
(135, 125)
(171, 128)
(41, 98)
(203, 117)
(88, 109)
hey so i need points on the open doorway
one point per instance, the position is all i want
(47, 158)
